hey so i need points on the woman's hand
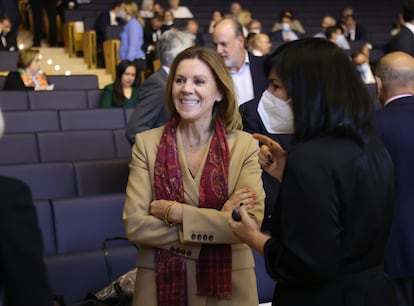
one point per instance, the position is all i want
(272, 157)
(158, 209)
(242, 195)
(248, 231)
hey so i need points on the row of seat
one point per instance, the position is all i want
(26, 121)
(59, 81)
(57, 180)
(73, 231)
(61, 99)
(63, 146)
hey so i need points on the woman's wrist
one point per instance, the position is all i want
(167, 214)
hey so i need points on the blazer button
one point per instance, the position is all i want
(204, 237)
(193, 237)
(199, 237)
(177, 250)
(210, 237)
(189, 253)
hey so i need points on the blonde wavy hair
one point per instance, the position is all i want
(131, 8)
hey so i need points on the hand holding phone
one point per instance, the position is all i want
(236, 215)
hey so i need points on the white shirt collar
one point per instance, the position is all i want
(396, 97)
(410, 26)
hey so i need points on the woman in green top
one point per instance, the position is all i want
(122, 92)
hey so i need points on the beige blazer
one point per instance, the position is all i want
(199, 225)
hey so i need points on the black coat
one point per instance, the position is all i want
(23, 275)
(331, 225)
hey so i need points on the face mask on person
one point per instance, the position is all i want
(363, 69)
(285, 27)
(276, 114)
(341, 41)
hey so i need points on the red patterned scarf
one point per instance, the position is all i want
(214, 264)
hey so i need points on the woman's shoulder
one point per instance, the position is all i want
(151, 135)
(241, 139)
(109, 87)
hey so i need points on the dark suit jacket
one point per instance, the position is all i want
(395, 124)
(360, 33)
(148, 36)
(260, 81)
(23, 275)
(15, 82)
(11, 43)
(403, 41)
(102, 22)
(334, 213)
(151, 110)
(253, 124)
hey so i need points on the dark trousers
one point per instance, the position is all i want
(37, 7)
(404, 290)
(140, 65)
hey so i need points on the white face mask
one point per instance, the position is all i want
(363, 68)
(1, 124)
(276, 114)
(285, 27)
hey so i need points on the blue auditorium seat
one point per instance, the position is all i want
(46, 180)
(46, 224)
(2, 81)
(81, 226)
(18, 148)
(74, 81)
(123, 148)
(31, 121)
(99, 118)
(94, 97)
(101, 176)
(74, 275)
(8, 60)
(128, 112)
(14, 100)
(58, 99)
(104, 211)
(76, 145)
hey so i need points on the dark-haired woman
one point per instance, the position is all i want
(123, 92)
(332, 220)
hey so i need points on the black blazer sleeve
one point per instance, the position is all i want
(22, 270)
(15, 82)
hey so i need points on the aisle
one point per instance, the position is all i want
(57, 61)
